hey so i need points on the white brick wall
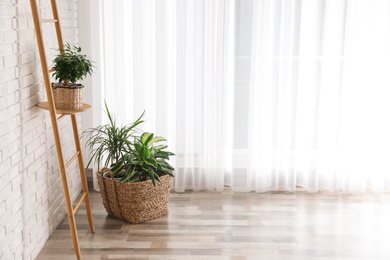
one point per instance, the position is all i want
(31, 195)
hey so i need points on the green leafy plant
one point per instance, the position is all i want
(71, 65)
(146, 161)
(109, 143)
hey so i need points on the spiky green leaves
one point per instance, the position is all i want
(108, 144)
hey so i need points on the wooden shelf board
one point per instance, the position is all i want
(45, 105)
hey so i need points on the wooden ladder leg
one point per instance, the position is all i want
(82, 172)
(68, 199)
(73, 228)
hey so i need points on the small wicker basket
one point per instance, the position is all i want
(135, 202)
(68, 97)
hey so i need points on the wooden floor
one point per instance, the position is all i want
(228, 225)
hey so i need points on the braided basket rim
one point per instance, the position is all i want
(135, 202)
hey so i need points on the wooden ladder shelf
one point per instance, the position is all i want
(49, 105)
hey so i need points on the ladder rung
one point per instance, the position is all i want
(71, 159)
(60, 117)
(48, 20)
(51, 70)
(79, 203)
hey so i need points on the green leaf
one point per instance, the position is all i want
(89, 162)
(137, 162)
(165, 165)
(129, 173)
(153, 152)
(145, 153)
(146, 137)
(138, 148)
(135, 176)
(156, 139)
(151, 162)
(162, 154)
(117, 168)
(151, 174)
(138, 121)
(169, 172)
(160, 147)
(156, 176)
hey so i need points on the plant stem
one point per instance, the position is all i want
(66, 82)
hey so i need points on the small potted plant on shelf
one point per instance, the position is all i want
(136, 179)
(70, 66)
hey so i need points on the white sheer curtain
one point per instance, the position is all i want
(318, 95)
(256, 94)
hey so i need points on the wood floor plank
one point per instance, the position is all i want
(237, 226)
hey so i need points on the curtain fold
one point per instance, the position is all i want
(257, 94)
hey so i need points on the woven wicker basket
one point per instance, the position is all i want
(135, 202)
(68, 97)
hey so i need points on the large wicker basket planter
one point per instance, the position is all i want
(135, 202)
(68, 97)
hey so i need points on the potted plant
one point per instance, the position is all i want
(70, 66)
(136, 180)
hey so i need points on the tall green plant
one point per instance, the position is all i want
(146, 160)
(109, 143)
